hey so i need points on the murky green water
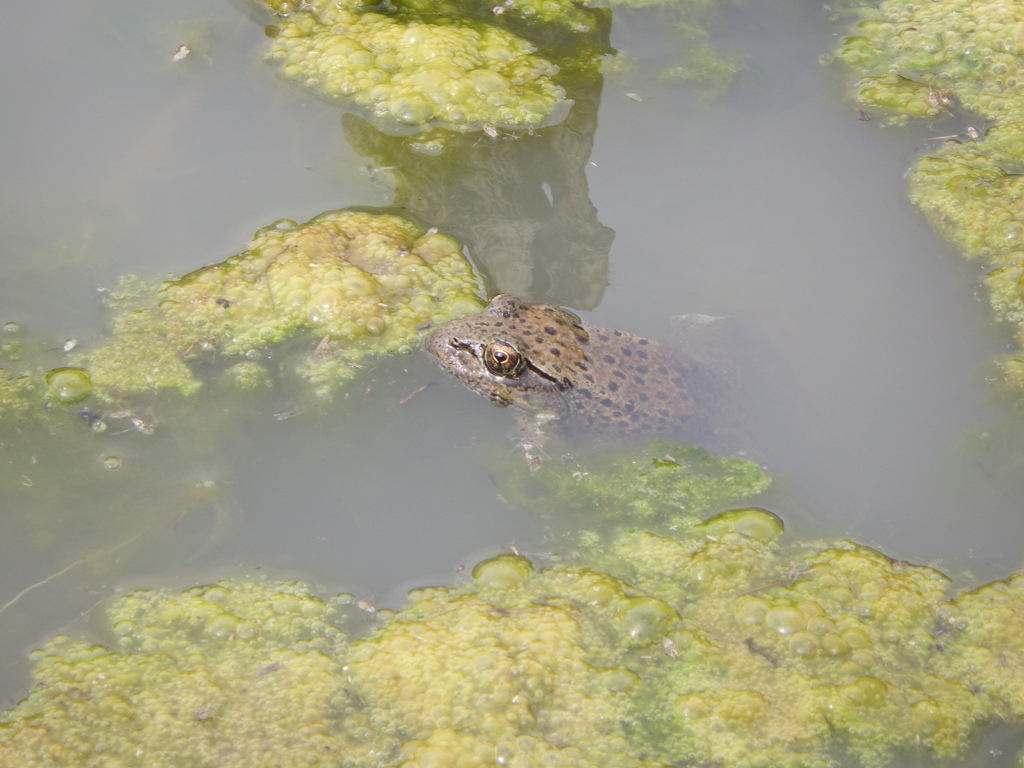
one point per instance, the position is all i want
(772, 204)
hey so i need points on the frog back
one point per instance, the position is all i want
(633, 386)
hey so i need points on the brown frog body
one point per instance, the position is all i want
(562, 374)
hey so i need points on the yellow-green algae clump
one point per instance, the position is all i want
(413, 69)
(714, 644)
(355, 283)
(924, 59)
(716, 651)
(799, 659)
(237, 673)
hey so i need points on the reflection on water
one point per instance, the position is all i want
(519, 201)
(774, 206)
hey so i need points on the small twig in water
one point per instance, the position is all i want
(62, 571)
(415, 392)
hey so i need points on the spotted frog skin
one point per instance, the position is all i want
(561, 374)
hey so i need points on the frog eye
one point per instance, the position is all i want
(502, 359)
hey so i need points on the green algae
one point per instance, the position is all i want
(665, 486)
(17, 395)
(711, 641)
(22, 387)
(312, 302)
(717, 644)
(415, 65)
(706, 68)
(348, 284)
(930, 59)
(39, 385)
(186, 677)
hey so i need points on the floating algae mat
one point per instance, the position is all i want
(716, 643)
(927, 59)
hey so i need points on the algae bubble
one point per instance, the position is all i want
(750, 521)
(503, 571)
(68, 385)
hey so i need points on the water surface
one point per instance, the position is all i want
(773, 204)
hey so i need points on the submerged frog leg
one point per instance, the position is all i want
(712, 346)
(699, 336)
(532, 438)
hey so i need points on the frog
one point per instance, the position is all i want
(564, 376)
